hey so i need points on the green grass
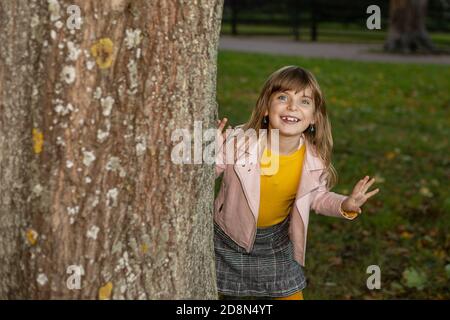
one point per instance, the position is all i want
(390, 121)
(330, 32)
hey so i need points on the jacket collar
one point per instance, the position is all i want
(256, 149)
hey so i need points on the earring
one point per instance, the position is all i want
(266, 120)
(311, 128)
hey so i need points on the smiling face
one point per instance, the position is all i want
(291, 112)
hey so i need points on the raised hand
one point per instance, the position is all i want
(359, 196)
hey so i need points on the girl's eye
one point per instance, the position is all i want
(283, 98)
(306, 101)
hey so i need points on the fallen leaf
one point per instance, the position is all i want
(406, 235)
(414, 278)
(390, 155)
(335, 261)
(425, 192)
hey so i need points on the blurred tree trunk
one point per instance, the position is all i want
(407, 28)
(88, 191)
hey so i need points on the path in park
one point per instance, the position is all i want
(347, 51)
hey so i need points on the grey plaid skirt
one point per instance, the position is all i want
(269, 270)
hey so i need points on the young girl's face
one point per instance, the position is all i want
(291, 112)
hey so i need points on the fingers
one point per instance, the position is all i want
(221, 124)
(367, 184)
(363, 185)
(371, 193)
(360, 195)
(221, 133)
(358, 187)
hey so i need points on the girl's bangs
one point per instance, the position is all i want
(297, 82)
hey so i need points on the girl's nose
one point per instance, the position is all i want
(292, 106)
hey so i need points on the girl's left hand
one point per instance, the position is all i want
(359, 196)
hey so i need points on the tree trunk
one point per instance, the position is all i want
(407, 28)
(91, 205)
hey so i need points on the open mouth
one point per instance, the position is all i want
(289, 119)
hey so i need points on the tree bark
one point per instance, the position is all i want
(87, 181)
(407, 27)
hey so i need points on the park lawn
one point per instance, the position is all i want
(390, 121)
(330, 32)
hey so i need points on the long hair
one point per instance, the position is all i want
(296, 78)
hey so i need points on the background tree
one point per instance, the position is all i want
(407, 27)
(86, 117)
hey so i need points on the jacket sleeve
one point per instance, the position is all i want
(329, 203)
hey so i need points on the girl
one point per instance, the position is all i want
(261, 214)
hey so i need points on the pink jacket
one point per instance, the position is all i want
(236, 206)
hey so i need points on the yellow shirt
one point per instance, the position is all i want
(278, 187)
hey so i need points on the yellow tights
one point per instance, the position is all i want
(296, 296)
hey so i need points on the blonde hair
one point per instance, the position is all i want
(297, 78)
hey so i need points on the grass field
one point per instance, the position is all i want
(390, 121)
(331, 32)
